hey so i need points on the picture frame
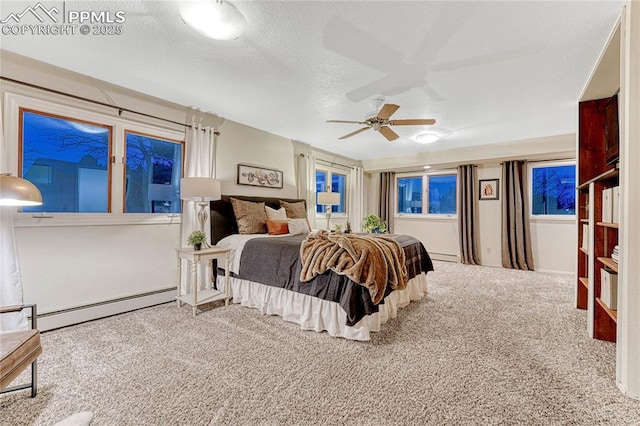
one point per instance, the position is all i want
(264, 177)
(489, 189)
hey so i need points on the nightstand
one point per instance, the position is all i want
(207, 295)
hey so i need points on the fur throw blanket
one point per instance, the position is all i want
(369, 261)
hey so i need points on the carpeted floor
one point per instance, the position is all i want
(486, 346)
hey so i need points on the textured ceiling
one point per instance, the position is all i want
(487, 71)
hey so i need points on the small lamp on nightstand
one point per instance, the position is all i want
(201, 190)
(328, 199)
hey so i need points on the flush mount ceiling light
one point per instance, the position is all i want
(213, 18)
(426, 167)
(426, 137)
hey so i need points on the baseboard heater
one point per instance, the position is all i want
(444, 257)
(93, 311)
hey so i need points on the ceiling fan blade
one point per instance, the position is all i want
(355, 133)
(387, 111)
(388, 133)
(346, 121)
(412, 122)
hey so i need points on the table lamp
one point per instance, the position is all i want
(201, 190)
(328, 199)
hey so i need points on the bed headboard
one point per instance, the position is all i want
(223, 221)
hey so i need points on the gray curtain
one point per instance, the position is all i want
(386, 206)
(516, 233)
(468, 215)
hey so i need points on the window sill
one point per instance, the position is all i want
(29, 220)
(552, 218)
(408, 216)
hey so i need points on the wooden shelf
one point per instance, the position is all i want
(613, 314)
(608, 262)
(608, 224)
(609, 174)
(584, 281)
(584, 251)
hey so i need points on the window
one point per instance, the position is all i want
(441, 190)
(410, 195)
(553, 189)
(338, 184)
(68, 160)
(84, 162)
(442, 194)
(152, 175)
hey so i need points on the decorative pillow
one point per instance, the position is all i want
(277, 227)
(298, 226)
(273, 214)
(250, 216)
(295, 210)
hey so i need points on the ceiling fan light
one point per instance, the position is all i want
(426, 138)
(214, 19)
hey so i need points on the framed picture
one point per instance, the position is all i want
(489, 189)
(259, 176)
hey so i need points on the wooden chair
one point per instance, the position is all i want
(18, 350)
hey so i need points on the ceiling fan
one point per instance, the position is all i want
(380, 122)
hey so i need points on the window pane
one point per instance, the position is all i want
(68, 161)
(410, 195)
(338, 184)
(321, 186)
(553, 190)
(154, 169)
(442, 194)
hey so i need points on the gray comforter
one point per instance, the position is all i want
(276, 262)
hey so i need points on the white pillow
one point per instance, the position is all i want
(280, 214)
(298, 226)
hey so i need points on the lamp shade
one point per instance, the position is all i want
(200, 189)
(328, 198)
(15, 191)
(215, 19)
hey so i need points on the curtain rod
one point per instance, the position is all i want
(333, 163)
(80, 98)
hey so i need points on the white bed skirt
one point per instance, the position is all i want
(317, 314)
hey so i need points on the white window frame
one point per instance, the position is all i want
(13, 102)
(425, 196)
(547, 217)
(330, 171)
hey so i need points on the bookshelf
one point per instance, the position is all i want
(597, 173)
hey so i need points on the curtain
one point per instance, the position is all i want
(467, 215)
(356, 198)
(305, 164)
(516, 233)
(386, 204)
(200, 161)
(10, 278)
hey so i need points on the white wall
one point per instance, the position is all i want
(490, 220)
(439, 236)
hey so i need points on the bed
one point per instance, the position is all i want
(265, 275)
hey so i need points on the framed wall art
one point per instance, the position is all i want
(489, 189)
(259, 176)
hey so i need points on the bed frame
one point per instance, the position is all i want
(223, 221)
